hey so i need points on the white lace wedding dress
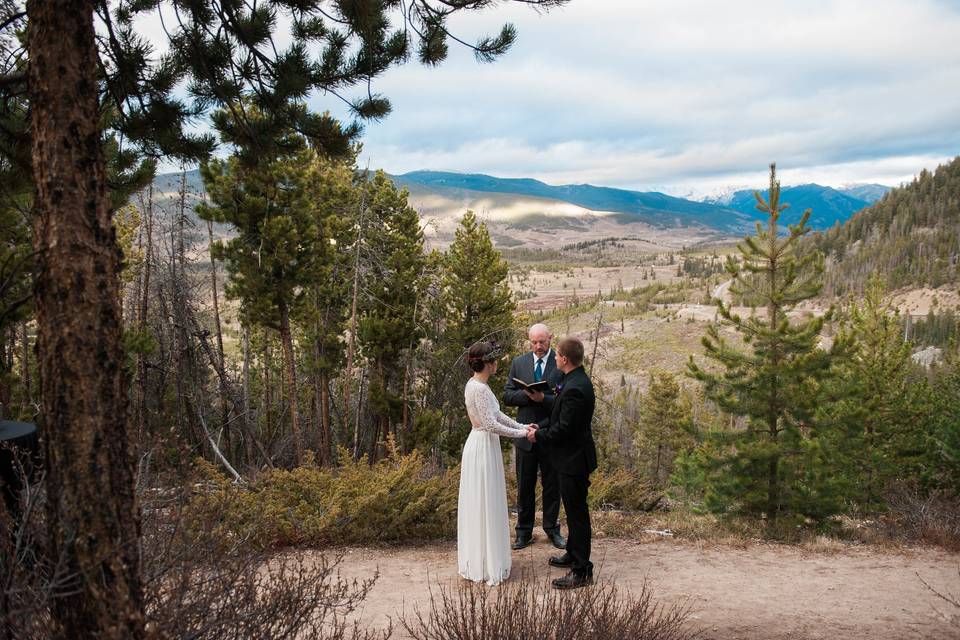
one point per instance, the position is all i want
(483, 532)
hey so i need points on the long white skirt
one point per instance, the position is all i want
(483, 531)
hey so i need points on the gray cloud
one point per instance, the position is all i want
(684, 96)
(691, 93)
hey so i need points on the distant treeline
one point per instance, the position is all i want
(935, 329)
(600, 243)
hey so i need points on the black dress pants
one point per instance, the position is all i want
(573, 492)
(529, 465)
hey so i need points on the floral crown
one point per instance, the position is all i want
(495, 353)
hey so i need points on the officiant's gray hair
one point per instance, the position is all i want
(539, 328)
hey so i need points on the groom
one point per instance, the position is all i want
(574, 456)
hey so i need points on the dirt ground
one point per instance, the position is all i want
(767, 592)
(918, 302)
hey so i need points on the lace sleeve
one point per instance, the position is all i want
(507, 421)
(485, 414)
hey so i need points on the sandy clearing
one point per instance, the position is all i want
(919, 302)
(762, 592)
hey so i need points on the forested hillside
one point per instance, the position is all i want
(911, 237)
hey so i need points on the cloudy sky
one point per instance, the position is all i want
(687, 96)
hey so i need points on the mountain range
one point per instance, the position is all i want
(827, 205)
(734, 214)
(524, 211)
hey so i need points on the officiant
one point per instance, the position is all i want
(532, 460)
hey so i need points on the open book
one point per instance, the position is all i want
(533, 387)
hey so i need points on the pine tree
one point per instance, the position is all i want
(943, 443)
(279, 207)
(776, 382)
(473, 303)
(389, 326)
(663, 430)
(476, 294)
(325, 313)
(879, 413)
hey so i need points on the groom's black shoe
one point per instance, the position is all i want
(564, 561)
(573, 580)
(523, 540)
(558, 540)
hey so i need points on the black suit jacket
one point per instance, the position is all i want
(529, 411)
(569, 433)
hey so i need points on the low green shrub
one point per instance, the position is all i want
(398, 499)
(621, 489)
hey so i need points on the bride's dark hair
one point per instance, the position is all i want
(481, 353)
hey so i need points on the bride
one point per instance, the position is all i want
(483, 533)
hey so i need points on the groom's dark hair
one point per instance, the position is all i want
(572, 350)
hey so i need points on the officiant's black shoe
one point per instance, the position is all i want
(558, 540)
(523, 540)
(573, 580)
(564, 561)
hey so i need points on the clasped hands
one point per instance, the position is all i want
(532, 432)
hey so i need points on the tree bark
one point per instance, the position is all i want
(381, 421)
(352, 342)
(356, 424)
(403, 432)
(267, 383)
(92, 511)
(290, 365)
(247, 422)
(224, 412)
(406, 439)
(25, 380)
(184, 356)
(321, 400)
(326, 428)
(656, 472)
(142, 308)
(6, 366)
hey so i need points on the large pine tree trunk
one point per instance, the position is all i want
(91, 506)
(290, 366)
